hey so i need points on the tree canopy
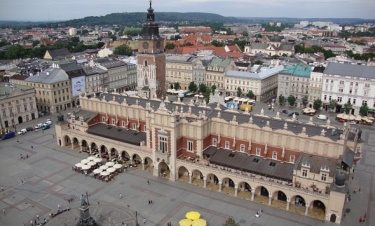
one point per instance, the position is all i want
(231, 222)
(193, 87)
(363, 110)
(281, 100)
(123, 50)
(347, 107)
(292, 100)
(317, 104)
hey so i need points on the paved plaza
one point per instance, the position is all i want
(44, 181)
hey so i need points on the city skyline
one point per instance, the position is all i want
(22, 10)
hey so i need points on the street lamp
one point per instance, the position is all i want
(136, 218)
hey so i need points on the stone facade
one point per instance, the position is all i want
(17, 105)
(179, 141)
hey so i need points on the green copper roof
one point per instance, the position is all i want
(220, 62)
(297, 70)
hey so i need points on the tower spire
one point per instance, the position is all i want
(150, 3)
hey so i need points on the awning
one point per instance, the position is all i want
(348, 157)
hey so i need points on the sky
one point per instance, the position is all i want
(52, 10)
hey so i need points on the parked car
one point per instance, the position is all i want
(341, 120)
(45, 127)
(285, 111)
(322, 117)
(293, 113)
(48, 122)
(40, 125)
(22, 131)
(8, 135)
(29, 128)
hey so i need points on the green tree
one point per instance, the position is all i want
(347, 107)
(213, 88)
(250, 94)
(231, 222)
(317, 104)
(217, 43)
(245, 33)
(363, 110)
(281, 100)
(123, 50)
(169, 45)
(207, 94)
(305, 101)
(176, 86)
(74, 39)
(193, 87)
(292, 100)
(202, 88)
(299, 49)
(258, 62)
(332, 104)
(239, 92)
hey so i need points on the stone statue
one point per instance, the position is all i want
(83, 201)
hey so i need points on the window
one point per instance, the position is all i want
(134, 126)
(103, 119)
(364, 102)
(242, 148)
(339, 99)
(190, 146)
(341, 82)
(214, 142)
(274, 155)
(123, 123)
(304, 173)
(354, 100)
(367, 85)
(113, 121)
(163, 144)
(325, 97)
(341, 90)
(227, 144)
(323, 177)
(292, 158)
(258, 150)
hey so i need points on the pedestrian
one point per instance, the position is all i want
(21, 156)
(359, 190)
(148, 182)
(4, 211)
(360, 219)
(151, 201)
(31, 222)
(32, 147)
(120, 195)
(352, 177)
(27, 155)
(37, 217)
(144, 220)
(2, 189)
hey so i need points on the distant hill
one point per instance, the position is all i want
(136, 19)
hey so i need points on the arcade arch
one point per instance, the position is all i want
(279, 200)
(163, 169)
(261, 195)
(317, 210)
(197, 178)
(244, 190)
(148, 165)
(183, 174)
(212, 181)
(297, 204)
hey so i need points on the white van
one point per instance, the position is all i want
(22, 131)
(322, 117)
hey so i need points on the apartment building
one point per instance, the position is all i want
(53, 90)
(315, 86)
(262, 81)
(216, 70)
(294, 80)
(349, 82)
(17, 105)
(179, 69)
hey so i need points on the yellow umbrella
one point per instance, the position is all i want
(199, 222)
(351, 117)
(193, 215)
(185, 222)
(345, 116)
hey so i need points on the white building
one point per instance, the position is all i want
(349, 82)
(262, 82)
(72, 31)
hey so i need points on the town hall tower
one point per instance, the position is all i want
(151, 60)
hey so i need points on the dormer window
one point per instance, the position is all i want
(323, 177)
(304, 172)
(113, 122)
(214, 142)
(258, 150)
(227, 144)
(292, 158)
(242, 148)
(103, 119)
(274, 155)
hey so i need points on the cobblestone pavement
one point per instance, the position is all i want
(45, 180)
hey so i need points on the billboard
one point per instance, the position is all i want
(78, 85)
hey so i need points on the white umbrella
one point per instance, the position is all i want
(91, 163)
(79, 165)
(104, 173)
(110, 164)
(111, 170)
(117, 166)
(98, 159)
(104, 167)
(86, 167)
(85, 161)
(97, 171)
(91, 158)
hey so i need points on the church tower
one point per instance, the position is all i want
(151, 60)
